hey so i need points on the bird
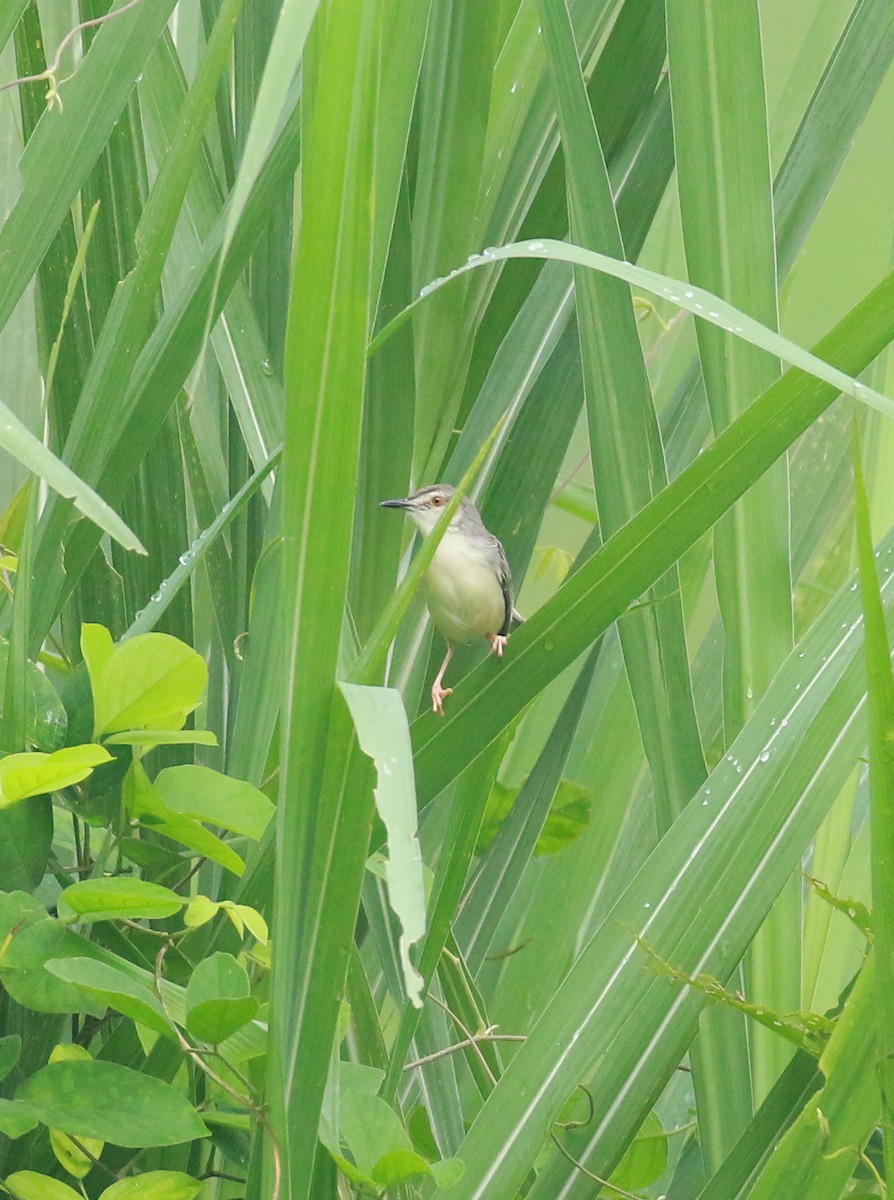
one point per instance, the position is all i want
(468, 584)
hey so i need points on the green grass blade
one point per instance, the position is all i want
(454, 93)
(625, 445)
(881, 790)
(21, 443)
(694, 299)
(726, 207)
(325, 380)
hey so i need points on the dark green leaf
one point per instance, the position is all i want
(111, 1102)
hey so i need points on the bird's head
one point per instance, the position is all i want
(427, 505)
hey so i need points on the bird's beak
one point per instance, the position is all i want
(395, 504)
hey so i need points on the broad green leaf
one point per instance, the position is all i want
(75, 1159)
(154, 1185)
(646, 1158)
(567, 817)
(71, 1157)
(26, 836)
(29, 1185)
(447, 1172)
(150, 738)
(109, 986)
(370, 1128)
(218, 999)
(120, 897)
(396, 1166)
(199, 911)
(16, 1118)
(145, 804)
(111, 1102)
(18, 440)
(153, 681)
(33, 939)
(10, 1049)
(383, 731)
(218, 799)
(97, 647)
(34, 774)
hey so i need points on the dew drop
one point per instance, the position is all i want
(266, 366)
(514, 88)
(535, 246)
(765, 756)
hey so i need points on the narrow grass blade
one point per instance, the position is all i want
(726, 206)
(696, 300)
(21, 443)
(625, 444)
(881, 790)
(325, 381)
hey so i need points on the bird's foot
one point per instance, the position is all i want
(437, 697)
(498, 642)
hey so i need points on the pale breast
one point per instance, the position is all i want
(465, 598)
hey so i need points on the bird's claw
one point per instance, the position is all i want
(437, 698)
(498, 643)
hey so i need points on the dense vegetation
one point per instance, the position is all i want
(265, 265)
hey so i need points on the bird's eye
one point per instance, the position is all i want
(437, 501)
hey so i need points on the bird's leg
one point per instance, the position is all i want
(437, 692)
(498, 643)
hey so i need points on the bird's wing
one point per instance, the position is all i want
(509, 613)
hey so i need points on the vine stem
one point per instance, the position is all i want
(192, 1053)
(51, 71)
